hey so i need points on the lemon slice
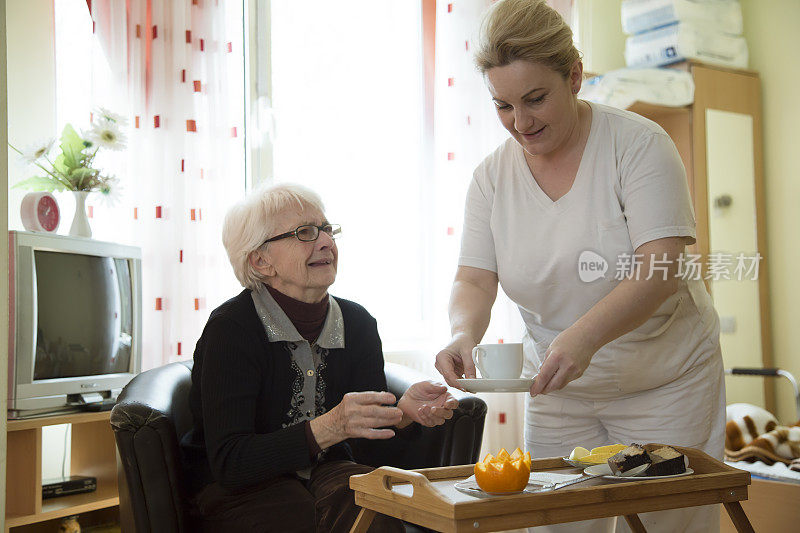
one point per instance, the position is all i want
(578, 453)
(596, 458)
(611, 449)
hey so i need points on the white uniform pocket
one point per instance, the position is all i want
(661, 320)
(663, 348)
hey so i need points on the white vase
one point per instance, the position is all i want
(80, 223)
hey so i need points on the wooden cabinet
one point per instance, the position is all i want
(93, 454)
(720, 141)
(770, 506)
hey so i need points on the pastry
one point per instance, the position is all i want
(631, 457)
(666, 461)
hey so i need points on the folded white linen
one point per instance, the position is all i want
(683, 40)
(621, 88)
(777, 471)
(717, 15)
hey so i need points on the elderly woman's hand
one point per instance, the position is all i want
(427, 403)
(357, 416)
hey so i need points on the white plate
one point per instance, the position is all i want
(496, 385)
(605, 471)
(577, 463)
(470, 486)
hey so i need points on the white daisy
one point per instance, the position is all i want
(102, 114)
(36, 151)
(110, 191)
(107, 134)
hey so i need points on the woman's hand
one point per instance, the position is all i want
(455, 360)
(358, 415)
(427, 403)
(565, 360)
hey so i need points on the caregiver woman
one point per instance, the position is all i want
(629, 356)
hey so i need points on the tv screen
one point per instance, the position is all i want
(84, 309)
(75, 322)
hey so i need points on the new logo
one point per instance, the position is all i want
(591, 266)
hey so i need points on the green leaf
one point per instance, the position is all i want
(71, 142)
(59, 165)
(39, 183)
(71, 147)
(81, 173)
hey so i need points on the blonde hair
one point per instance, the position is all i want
(255, 219)
(528, 30)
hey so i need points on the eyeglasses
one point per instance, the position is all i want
(308, 232)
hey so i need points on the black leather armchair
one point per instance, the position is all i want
(152, 414)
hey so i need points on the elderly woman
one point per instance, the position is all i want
(631, 356)
(288, 383)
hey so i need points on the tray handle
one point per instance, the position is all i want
(380, 480)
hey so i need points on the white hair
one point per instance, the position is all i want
(255, 219)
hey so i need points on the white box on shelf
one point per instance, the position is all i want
(719, 15)
(685, 41)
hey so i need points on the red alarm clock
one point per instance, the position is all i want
(39, 211)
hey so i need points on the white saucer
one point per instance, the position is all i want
(470, 486)
(605, 471)
(496, 385)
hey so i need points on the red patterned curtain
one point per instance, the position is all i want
(179, 65)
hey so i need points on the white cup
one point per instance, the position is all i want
(498, 361)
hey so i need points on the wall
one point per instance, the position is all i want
(600, 33)
(29, 71)
(3, 264)
(31, 88)
(773, 39)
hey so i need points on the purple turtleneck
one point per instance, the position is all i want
(307, 318)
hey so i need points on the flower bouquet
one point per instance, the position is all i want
(74, 169)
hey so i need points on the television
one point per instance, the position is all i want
(75, 322)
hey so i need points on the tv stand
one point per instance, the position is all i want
(26, 414)
(94, 453)
(104, 405)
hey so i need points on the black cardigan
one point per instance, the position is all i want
(241, 389)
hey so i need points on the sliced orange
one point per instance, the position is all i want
(505, 472)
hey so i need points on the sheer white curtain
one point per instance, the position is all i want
(175, 71)
(348, 110)
(467, 130)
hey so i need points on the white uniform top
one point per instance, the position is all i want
(630, 189)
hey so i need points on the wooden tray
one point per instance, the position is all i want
(428, 498)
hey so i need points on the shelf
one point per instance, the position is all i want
(75, 418)
(67, 506)
(93, 454)
(655, 110)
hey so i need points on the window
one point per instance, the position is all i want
(347, 95)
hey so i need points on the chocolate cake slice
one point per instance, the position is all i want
(666, 461)
(631, 457)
